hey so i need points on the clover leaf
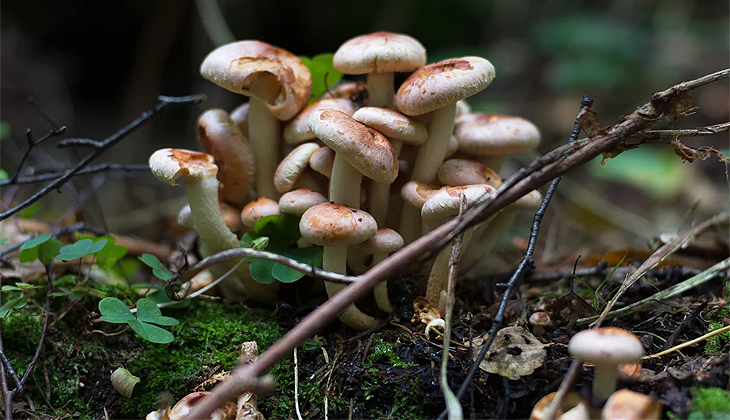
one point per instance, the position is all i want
(80, 249)
(159, 270)
(324, 74)
(29, 249)
(115, 311)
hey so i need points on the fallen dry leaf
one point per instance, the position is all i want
(515, 352)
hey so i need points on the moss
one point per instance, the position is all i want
(709, 404)
(207, 340)
(716, 317)
(382, 352)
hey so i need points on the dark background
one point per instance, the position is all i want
(95, 65)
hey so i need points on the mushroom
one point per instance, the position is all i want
(606, 348)
(454, 172)
(199, 173)
(379, 55)
(573, 407)
(491, 137)
(220, 137)
(279, 85)
(629, 405)
(397, 128)
(297, 131)
(298, 201)
(435, 89)
(239, 116)
(414, 194)
(334, 226)
(380, 246)
(539, 320)
(292, 166)
(258, 209)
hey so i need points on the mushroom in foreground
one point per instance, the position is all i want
(606, 348)
(201, 185)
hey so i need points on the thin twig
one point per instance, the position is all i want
(525, 180)
(104, 167)
(704, 337)
(101, 147)
(296, 384)
(32, 144)
(710, 130)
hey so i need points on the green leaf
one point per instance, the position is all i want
(261, 270)
(151, 332)
(80, 249)
(49, 250)
(32, 243)
(65, 291)
(30, 211)
(3, 176)
(8, 288)
(115, 311)
(159, 270)
(282, 229)
(161, 297)
(311, 255)
(3, 240)
(147, 311)
(29, 250)
(109, 256)
(5, 130)
(323, 74)
(16, 303)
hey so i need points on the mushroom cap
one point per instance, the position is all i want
(336, 224)
(415, 193)
(392, 124)
(529, 201)
(322, 160)
(540, 318)
(239, 116)
(257, 209)
(362, 147)
(252, 68)
(444, 203)
(221, 137)
(573, 407)
(298, 201)
(292, 166)
(296, 130)
(170, 164)
(606, 345)
(379, 52)
(466, 172)
(629, 405)
(347, 90)
(384, 242)
(445, 82)
(493, 135)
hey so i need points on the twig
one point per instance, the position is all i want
(525, 180)
(710, 130)
(689, 343)
(675, 290)
(658, 256)
(296, 385)
(104, 167)
(100, 147)
(32, 145)
(453, 407)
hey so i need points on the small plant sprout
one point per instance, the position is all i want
(606, 347)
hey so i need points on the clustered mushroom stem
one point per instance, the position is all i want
(604, 380)
(264, 129)
(431, 153)
(486, 236)
(345, 183)
(439, 273)
(334, 259)
(381, 90)
(381, 289)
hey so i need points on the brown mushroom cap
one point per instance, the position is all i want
(392, 124)
(445, 82)
(298, 201)
(219, 136)
(257, 209)
(629, 405)
(444, 203)
(415, 193)
(244, 67)
(336, 224)
(292, 166)
(491, 135)
(365, 149)
(170, 164)
(455, 172)
(239, 116)
(540, 318)
(297, 130)
(606, 345)
(384, 242)
(380, 52)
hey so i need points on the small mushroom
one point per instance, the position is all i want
(629, 405)
(539, 320)
(380, 246)
(606, 348)
(258, 209)
(573, 407)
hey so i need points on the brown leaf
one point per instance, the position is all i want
(690, 154)
(515, 352)
(588, 121)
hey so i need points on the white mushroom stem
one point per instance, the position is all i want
(345, 183)
(487, 236)
(215, 236)
(604, 380)
(265, 133)
(381, 289)
(431, 153)
(381, 90)
(440, 272)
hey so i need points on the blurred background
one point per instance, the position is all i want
(94, 66)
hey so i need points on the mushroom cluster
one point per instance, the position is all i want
(367, 175)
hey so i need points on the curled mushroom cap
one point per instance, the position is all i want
(415, 193)
(170, 164)
(241, 67)
(362, 147)
(379, 52)
(322, 160)
(491, 135)
(336, 224)
(297, 130)
(445, 82)
(292, 166)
